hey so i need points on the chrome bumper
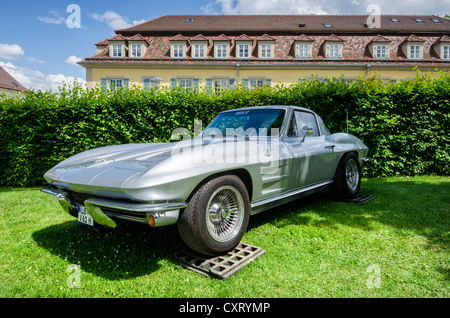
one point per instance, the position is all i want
(104, 211)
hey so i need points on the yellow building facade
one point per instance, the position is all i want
(195, 52)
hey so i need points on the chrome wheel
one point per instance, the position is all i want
(225, 213)
(352, 174)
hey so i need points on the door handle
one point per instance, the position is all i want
(330, 147)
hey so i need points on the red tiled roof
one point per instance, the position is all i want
(178, 37)
(334, 38)
(221, 37)
(243, 37)
(266, 37)
(303, 37)
(282, 24)
(199, 38)
(136, 37)
(118, 37)
(104, 42)
(380, 38)
(413, 38)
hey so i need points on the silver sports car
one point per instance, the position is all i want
(246, 161)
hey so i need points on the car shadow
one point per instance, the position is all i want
(130, 251)
(410, 206)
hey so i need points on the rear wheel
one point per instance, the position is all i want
(347, 180)
(217, 216)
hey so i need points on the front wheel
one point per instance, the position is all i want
(217, 216)
(347, 180)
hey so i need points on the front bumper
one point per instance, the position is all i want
(104, 211)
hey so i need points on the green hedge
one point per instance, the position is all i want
(405, 124)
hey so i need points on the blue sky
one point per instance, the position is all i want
(39, 49)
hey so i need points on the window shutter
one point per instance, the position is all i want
(104, 83)
(209, 83)
(126, 82)
(232, 83)
(327, 50)
(173, 83)
(147, 83)
(269, 81)
(196, 84)
(245, 82)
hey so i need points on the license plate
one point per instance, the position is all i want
(83, 217)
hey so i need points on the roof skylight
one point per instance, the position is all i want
(419, 20)
(328, 25)
(395, 20)
(436, 20)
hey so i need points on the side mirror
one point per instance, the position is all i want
(308, 130)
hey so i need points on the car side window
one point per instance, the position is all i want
(301, 119)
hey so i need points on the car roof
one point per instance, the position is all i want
(287, 107)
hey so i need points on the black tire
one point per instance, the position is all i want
(347, 180)
(217, 216)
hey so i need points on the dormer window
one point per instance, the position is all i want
(266, 47)
(198, 51)
(303, 47)
(117, 50)
(379, 48)
(221, 50)
(221, 47)
(413, 48)
(243, 51)
(414, 52)
(136, 50)
(381, 51)
(199, 46)
(137, 46)
(446, 52)
(178, 47)
(244, 47)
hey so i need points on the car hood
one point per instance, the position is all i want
(107, 165)
(113, 166)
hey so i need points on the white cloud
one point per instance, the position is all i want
(135, 22)
(10, 52)
(272, 7)
(34, 79)
(56, 19)
(115, 20)
(73, 60)
(325, 6)
(34, 60)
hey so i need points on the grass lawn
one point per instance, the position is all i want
(394, 246)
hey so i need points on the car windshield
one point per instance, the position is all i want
(255, 122)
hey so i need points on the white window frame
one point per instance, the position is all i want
(301, 49)
(198, 51)
(221, 50)
(240, 51)
(185, 83)
(415, 52)
(220, 84)
(334, 50)
(381, 51)
(266, 50)
(178, 50)
(117, 50)
(151, 82)
(446, 52)
(136, 48)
